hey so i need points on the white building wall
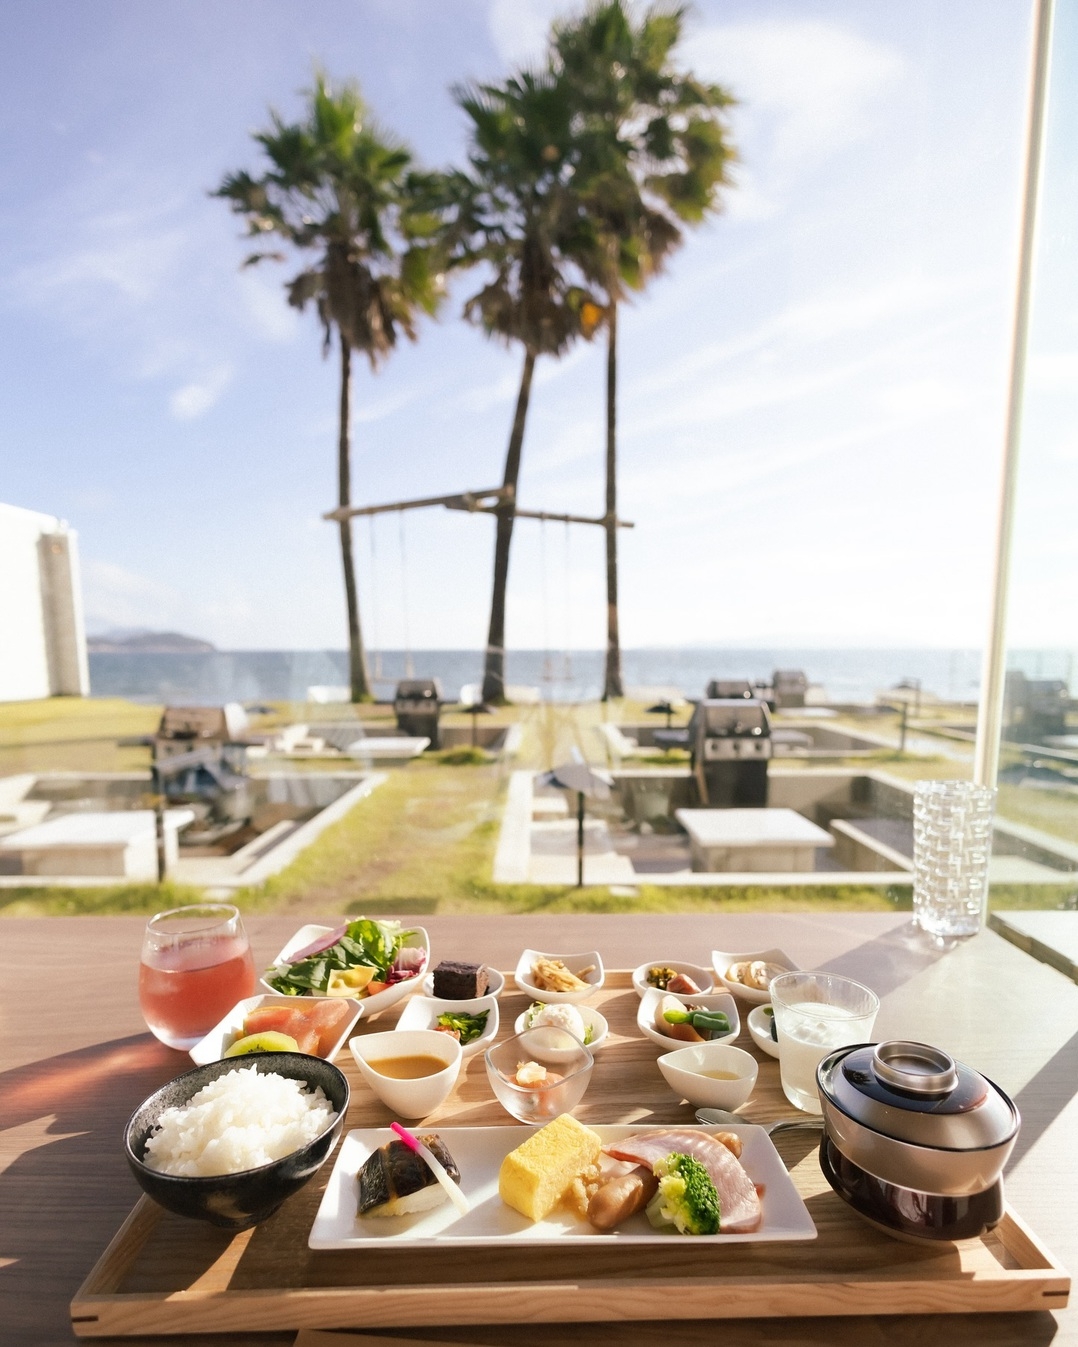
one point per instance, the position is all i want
(42, 636)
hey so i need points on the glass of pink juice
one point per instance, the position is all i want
(196, 964)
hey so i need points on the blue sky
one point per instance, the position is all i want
(811, 402)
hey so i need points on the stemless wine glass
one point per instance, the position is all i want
(196, 964)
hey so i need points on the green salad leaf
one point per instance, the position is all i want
(469, 1027)
(365, 942)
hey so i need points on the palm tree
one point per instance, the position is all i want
(516, 212)
(340, 188)
(654, 156)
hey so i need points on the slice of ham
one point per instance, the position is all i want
(739, 1203)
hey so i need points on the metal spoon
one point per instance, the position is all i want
(723, 1118)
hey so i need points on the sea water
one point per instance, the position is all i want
(847, 675)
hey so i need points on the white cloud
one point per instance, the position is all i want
(483, 397)
(121, 256)
(1053, 371)
(265, 305)
(377, 409)
(519, 28)
(808, 84)
(195, 399)
(118, 597)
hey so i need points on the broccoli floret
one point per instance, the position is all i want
(686, 1197)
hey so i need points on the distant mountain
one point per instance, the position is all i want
(147, 643)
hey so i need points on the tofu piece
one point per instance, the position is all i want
(534, 1178)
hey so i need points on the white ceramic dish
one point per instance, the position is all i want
(759, 1022)
(685, 1072)
(722, 959)
(496, 987)
(592, 1020)
(369, 1005)
(575, 964)
(703, 977)
(422, 1012)
(479, 1152)
(221, 1037)
(649, 1004)
(414, 1098)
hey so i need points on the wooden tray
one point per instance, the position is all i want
(163, 1274)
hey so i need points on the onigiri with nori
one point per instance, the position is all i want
(395, 1181)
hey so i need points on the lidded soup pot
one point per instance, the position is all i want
(914, 1141)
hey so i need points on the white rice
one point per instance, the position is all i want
(241, 1120)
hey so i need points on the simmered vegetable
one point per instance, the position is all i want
(707, 1023)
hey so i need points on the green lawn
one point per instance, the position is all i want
(424, 841)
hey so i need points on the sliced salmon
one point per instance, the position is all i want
(269, 1019)
(314, 1029)
(739, 1202)
(329, 1019)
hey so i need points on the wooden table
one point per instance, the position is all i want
(75, 1060)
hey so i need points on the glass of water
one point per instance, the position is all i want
(952, 845)
(814, 1014)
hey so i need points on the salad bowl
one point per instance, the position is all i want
(407, 951)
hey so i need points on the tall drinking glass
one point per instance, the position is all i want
(952, 846)
(196, 964)
(814, 1014)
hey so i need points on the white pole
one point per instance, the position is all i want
(993, 668)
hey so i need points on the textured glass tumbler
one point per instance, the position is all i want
(952, 844)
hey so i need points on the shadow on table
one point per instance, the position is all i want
(66, 1116)
(1044, 1097)
(894, 957)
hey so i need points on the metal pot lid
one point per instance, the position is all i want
(918, 1094)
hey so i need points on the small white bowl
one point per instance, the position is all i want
(408, 1098)
(685, 1071)
(703, 977)
(593, 1021)
(575, 964)
(649, 1004)
(369, 1005)
(422, 1012)
(759, 1021)
(221, 1037)
(495, 988)
(722, 959)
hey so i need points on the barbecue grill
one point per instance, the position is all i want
(726, 689)
(418, 706)
(788, 687)
(730, 743)
(1034, 708)
(200, 759)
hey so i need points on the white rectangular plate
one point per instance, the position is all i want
(479, 1152)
